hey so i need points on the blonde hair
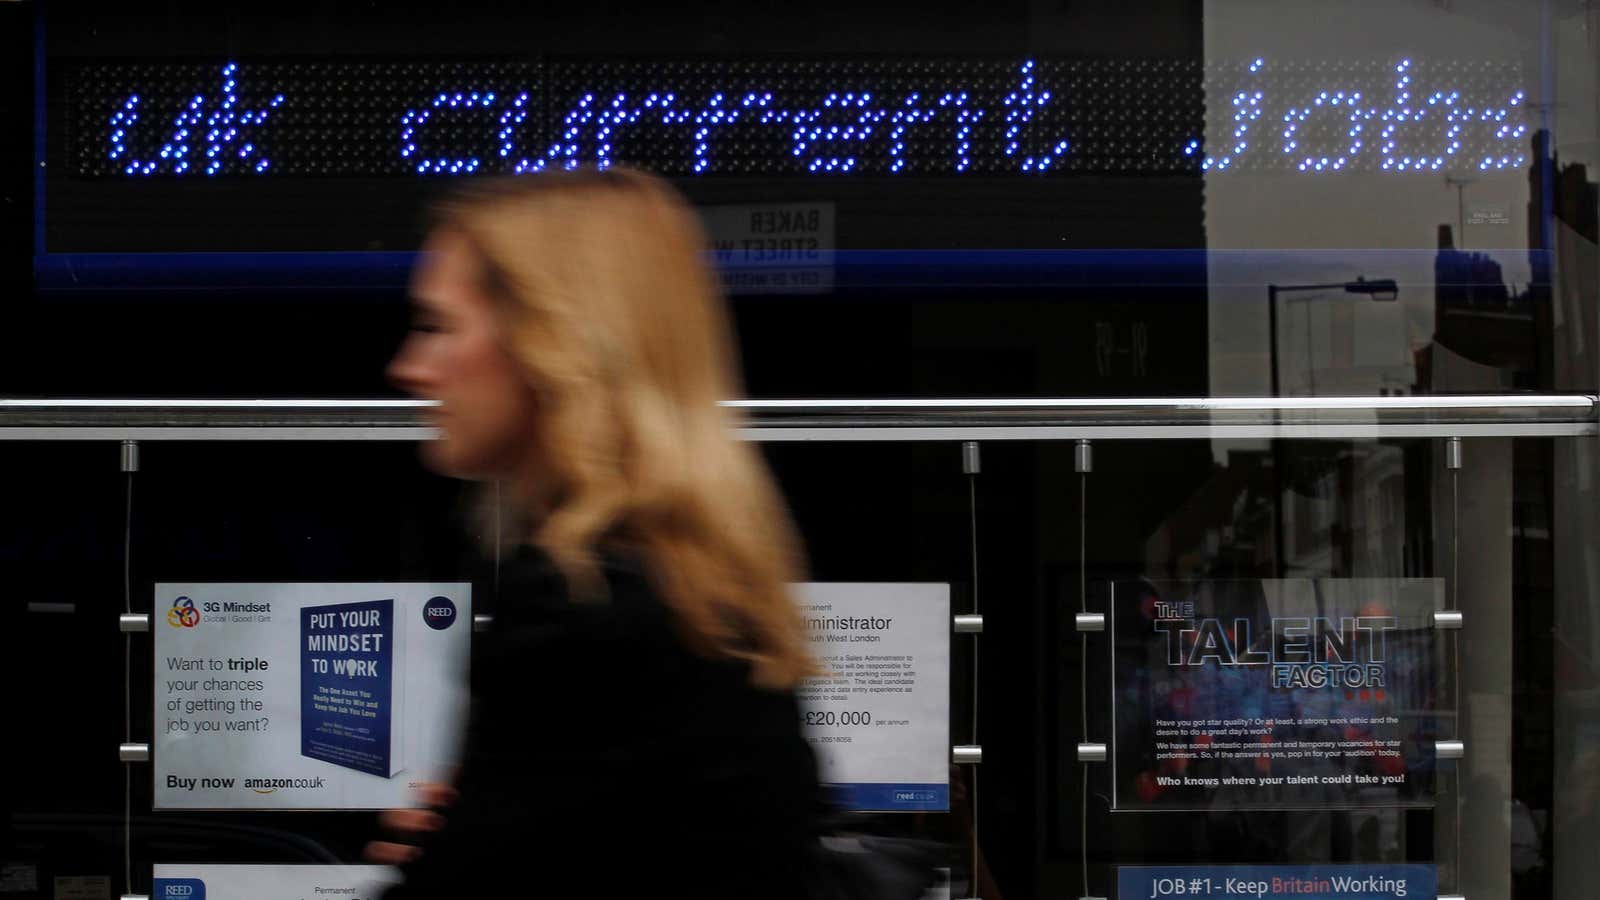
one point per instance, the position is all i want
(618, 322)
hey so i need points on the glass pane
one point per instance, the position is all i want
(1136, 199)
(1230, 199)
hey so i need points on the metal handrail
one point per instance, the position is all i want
(1015, 418)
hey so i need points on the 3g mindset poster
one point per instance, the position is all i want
(1276, 693)
(307, 696)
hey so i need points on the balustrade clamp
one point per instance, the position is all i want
(1083, 458)
(482, 621)
(133, 753)
(969, 623)
(128, 622)
(1447, 619)
(1088, 753)
(1452, 453)
(1087, 621)
(971, 459)
(130, 456)
(1449, 749)
(966, 755)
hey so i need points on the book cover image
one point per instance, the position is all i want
(351, 703)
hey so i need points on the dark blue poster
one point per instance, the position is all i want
(349, 708)
(1312, 882)
(1273, 694)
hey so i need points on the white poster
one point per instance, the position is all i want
(307, 696)
(209, 882)
(879, 719)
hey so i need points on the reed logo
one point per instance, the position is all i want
(178, 889)
(439, 613)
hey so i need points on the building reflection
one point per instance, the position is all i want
(1391, 508)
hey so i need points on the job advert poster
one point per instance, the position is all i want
(284, 882)
(1322, 881)
(1278, 693)
(307, 696)
(879, 718)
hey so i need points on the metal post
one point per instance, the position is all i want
(1083, 464)
(971, 755)
(1272, 335)
(1454, 749)
(130, 751)
(1279, 482)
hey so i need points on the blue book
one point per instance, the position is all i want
(350, 700)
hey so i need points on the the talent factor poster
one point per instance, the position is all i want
(878, 717)
(282, 882)
(307, 696)
(1276, 693)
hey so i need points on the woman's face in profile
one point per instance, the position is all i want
(455, 354)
